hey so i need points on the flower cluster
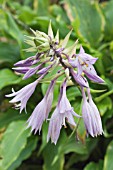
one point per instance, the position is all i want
(75, 68)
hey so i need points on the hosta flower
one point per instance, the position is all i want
(84, 63)
(64, 105)
(63, 112)
(92, 75)
(81, 80)
(32, 71)
(91, 116)
(98, 122)
(42, 110)
(23, 95)
(28, 62)
(21, 70)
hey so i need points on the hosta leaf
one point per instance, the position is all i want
(7, 77)
(108, 161)
(72, 145)
(94, 166)
(73, 92)
(13, 29)
(9, 116)
(108, 13)
(26, 152)
(9, 53)
(85, 27)
(104, 105)
(53, 156)
(13, 142)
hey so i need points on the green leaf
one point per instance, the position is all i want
(9, 116)
(73, 92)
(50, 154)
(3, 23)
(58, 12)
(13, 142)
(86, 28)
(13, 29)
(104, 105)
(26, 152)
(7, 77)
(108, 13)
(76, 104)
(9, 53)
(53, 155)
(72, 145)
(42, 7)
(24, 12)
(95, 166)
(108, 161)
(44, 137)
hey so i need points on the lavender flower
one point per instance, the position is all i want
(23, 95)
(42, 110)
(31, 71)
(63, 111)
(28, 62)
(83, 62)
(91, 116)
(21, 70)
(82, 81)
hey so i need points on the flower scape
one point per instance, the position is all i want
(74, 69)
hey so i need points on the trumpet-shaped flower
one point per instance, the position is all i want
(21, 70)
(42, 110)
(63, 112)
(84, 63)
(32, 71)
(91, 116)
(23, 95)
(82, 81)
(28, 62)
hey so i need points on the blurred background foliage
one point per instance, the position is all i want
(92, 23)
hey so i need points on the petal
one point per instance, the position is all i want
(21, 70)
(79, 79)
(70, 118)
(31, 72)
(74, 63)
(25, 63)
(37, 118)
(81, 50)
(79, 71)
(75, 114)
(94, 78)
(86, 112)
(49, 97)
(54, 127)
(89, 59)
(86, 57)
(98, 121)
(91, 74)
